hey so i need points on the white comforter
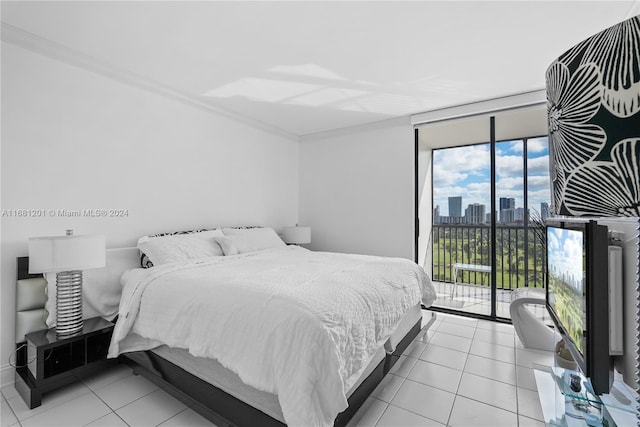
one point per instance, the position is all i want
(300, 324)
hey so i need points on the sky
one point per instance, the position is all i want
(566, 253)
(465, 172)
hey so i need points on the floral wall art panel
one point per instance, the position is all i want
(593, 105)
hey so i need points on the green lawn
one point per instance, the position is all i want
(510, 272)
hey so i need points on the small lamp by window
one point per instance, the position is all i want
(67, 256)
(296, 235)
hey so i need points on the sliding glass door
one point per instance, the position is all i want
(488, 204)
(460, 233)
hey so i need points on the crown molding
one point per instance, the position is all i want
(378, 124)
(508, 102)
(29, 41)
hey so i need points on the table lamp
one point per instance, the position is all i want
(296, 235)
(67, 256)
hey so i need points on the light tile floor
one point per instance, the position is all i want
(477, 299)
(459, 372)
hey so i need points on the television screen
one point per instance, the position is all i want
(566, 282)
(578, 295)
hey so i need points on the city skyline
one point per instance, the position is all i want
(475, 213)
(465, 172)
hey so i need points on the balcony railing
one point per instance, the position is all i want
(520, 254)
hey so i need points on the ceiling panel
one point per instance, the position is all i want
(309, 67)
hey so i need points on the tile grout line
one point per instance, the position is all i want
(493, 378)
(173, 416)
(517, 398)
(383, 412)
(405, 379)
(415, 413)
(377, 420)
(489, 404)
(517, 413)
(515, 366)
(38, 412)
(6, 402)
(460, 382)
(113, 411)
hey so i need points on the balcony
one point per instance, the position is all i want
(520, 262)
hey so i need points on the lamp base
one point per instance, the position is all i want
(68, 303)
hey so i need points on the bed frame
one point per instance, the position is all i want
(224, 409)
(220, 407)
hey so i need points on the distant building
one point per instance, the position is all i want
(519, 215)
(436, 215)
(544, 210)
(507, 204)
(475, 213)
(488, 218)
(452, 220)
(507, 215)
(455, 206)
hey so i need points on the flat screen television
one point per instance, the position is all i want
(578, 293)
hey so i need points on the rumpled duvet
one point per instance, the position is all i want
(296, 323)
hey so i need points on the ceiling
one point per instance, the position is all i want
(301, 68)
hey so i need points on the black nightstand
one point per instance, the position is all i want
(53, 362)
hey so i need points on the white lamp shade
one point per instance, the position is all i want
(66, 253)
(297, 235)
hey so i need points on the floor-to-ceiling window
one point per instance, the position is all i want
(462, 223)
(481, 238)
(461, 230)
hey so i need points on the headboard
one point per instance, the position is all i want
(31, 298)
(101, 291)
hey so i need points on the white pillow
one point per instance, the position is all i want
(251, 239)
(180, 247)
(101, 287)
(228, 245)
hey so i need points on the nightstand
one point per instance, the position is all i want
(53, 362)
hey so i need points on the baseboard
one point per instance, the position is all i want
(7, 376)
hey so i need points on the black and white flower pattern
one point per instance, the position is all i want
(571, 103)
(557, 183)
(616, 53)
(593, 101)
(607, 188)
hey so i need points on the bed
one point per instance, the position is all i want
(269, 335)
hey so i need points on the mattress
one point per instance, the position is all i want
(300, 324)
(214, 373)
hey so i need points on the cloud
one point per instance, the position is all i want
(461, 159)
(538, 165)
(566, 251)
(516, 146)
(538, 145)
(441, 178)
(538, 182)
(536, 199)
(554, 243)
(507, 183)
(534, 145)
(509, 165)
(464, 172)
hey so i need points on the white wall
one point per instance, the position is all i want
(425, 207)
(357, 190)
(73, 139)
